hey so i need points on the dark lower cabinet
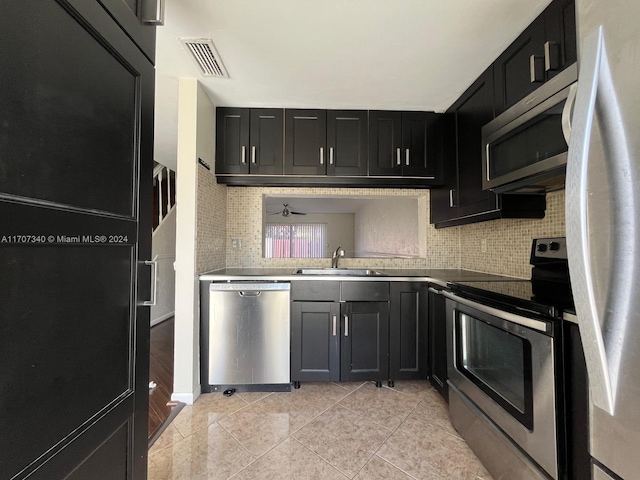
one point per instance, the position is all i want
(364, 343)
(339, 341)
(438, 343)
(315, 341)
(408, 348)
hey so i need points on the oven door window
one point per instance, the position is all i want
(499, 363)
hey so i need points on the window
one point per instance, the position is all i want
(295, 240)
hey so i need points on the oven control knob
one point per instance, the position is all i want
(554, 246)
(542, 247)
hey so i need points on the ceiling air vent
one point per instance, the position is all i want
(206, 56)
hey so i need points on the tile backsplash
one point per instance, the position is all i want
(508, 242)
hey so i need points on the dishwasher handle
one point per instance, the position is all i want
(248, 287)
(250, 293)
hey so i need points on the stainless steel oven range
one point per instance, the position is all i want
(505, 367)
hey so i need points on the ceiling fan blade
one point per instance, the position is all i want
(297, 213)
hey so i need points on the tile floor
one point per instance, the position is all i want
(321, 431)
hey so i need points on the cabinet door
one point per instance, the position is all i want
(232, 140)
(473, 110)
(76, 136)
(443, 202)
(347, 141)
(385, 143)
(560, 36)
(129, 15)
(365, 341)
(512, 69)
(408, 349)
(266, 151)
(418, 152)
(315, 340)
(305, 142)
(438, 344)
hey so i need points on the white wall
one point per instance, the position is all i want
(385, 228)
(196, 115)
(163, 249)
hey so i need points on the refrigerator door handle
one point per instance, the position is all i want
(602, 346)
(567, 111)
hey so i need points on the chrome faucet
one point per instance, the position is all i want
(339, 252)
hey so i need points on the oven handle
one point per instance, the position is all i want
(509, 317)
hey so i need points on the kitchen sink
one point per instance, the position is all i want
(356, 272)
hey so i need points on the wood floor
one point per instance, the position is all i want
(161, 372)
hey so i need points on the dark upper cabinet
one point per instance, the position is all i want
(305, 142)
(130, 15)
(232, 140)
(266, 141)
(408, 316)
(249, 141)
(347, 142)
(402, 144)
(545, 48)
(561, 47)
(463, 200)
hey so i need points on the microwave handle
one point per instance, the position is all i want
(567, 111)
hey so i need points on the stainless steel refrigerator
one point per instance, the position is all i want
(603, 227)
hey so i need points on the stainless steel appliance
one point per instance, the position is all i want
(506, 368)
(525, 148)
(603, 231)
(245, 336)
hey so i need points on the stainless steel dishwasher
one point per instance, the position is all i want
(246, 337)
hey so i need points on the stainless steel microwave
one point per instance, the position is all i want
(525, 148)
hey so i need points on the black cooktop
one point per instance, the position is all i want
(548, 300)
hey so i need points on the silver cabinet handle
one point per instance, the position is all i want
(398, 156)
(433, 290)
(321, 155)
(602, 337)
(153, 12)
(154, 283)
(253, 154)
(330, 155)
(487, 150)
(346, 326)
(567, 111)
(335, 325)
(243, 154)
(551, 56)
(451, 200)
(406, 157)
(536, 68)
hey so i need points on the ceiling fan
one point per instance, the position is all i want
(286, 212)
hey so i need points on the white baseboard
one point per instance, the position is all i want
(187, 398)
(158, 320)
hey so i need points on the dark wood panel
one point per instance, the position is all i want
(365, 341)
(161, 372)
(385, 143)
(102, 460)
(438, 344)
(266, 150)
(408, 347)
(316, 290)
(363, 291)
(128, 14)
(96, 100)
(327, 181)
(305, 142)
(232, 140)
(348, 142)
(314, 347)
(73, 313)
(418, 139)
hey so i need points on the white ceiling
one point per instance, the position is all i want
(346, 54)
